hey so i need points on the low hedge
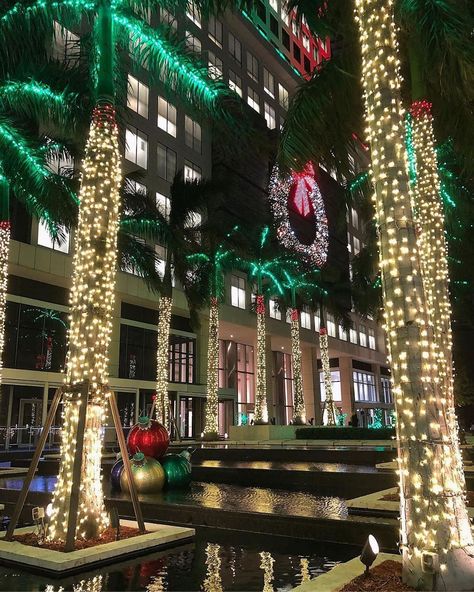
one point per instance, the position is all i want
(344, 433)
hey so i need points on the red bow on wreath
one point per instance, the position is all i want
(302, 187)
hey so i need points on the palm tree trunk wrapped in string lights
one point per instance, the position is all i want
(4, 251)
(211, 424)
(436, 536)
(261, 407)
(299, 412)
(92, 304)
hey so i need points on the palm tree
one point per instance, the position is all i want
(263, 266)
(92, 300)
(179, 231)
(214, 257)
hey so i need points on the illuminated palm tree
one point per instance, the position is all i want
(115, 23)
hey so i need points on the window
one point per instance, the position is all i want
(274, 5)
(237, 291)
(215, 30)
(235, 48)
(136, 147)
(275, 312)
(137, 96)
(128, 264)
(282, 96)
(283, 385)
(60, 164)
(66, 45)
(274, 26)
(45, 239)
(356, 245)
(137, 187)
(295, 28)
(245, 381)
(306, 42)
(137, 352)
(181, 359)
(270, 116)
(166, 162)
(362, 336)
(387, 396)
(285, 17)
(235, 83)
(372, 339)
(192, 43)
(214, 65)
(269, 83)
(331, 325)
(317, 321)
(336, 385)
(191, 171)
(349, 242)
(167, 116)
(252, 66)
(364, 386)
(353, 335)
(296, 53)
(253, 99)
(261, 11)
(192, 134)
(163, 204)
(168, 19)
(305, 318)
(355, 218)
(193, 14)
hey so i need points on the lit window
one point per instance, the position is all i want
(387, 396)
(163, 204)
(306, 42)
(353, 335)
(168, 19)
(295, 28)
(192, 134)
(269, 83)
(305, 318)
(317, 321)
(336, 385)
(252, 66)
(192, 43)
(193, 14)
(136, 147)
(128, 264)
(167, 116)
(364, 386)
(191, 171)
(355, 218)
(331, 326)
(274, 5)
(349, 242)
(45, 239)
(235, 83)
(137, 96)
(214, 66)
(275, 311)
(237, 291)
(372, 339)
(288, 316)
(253, 99)
(215, 30)
(66, 45)
(342, 333)
(362, 336)
(356, 245)
(137, 187)
(282, 96)
(282, 122)
(235, 48)
(285, 17)
(166, 162)
(60, 164)
(160, 263)
(270, 116)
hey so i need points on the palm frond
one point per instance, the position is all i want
(136, 255)
(171, 65)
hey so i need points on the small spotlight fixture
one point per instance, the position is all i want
(369, 552)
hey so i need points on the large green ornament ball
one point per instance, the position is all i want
(148, 474)
(177, 471)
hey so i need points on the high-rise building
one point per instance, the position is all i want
(262, 57)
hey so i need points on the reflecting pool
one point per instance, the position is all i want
(216, 562)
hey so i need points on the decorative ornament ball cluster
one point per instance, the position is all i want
(152, 469)
(302, 189)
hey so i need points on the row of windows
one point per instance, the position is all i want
(363, 336)
(364, 385)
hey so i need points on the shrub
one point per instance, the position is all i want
(344, 433)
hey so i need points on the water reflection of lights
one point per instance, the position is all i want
(94, 584)
(304, 565)
(213, 582)
(267, 565)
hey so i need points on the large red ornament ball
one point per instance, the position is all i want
(148, 436)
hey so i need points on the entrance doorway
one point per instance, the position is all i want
(226, 416)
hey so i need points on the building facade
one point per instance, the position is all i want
(262, 62)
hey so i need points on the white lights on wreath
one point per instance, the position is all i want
(308, 199)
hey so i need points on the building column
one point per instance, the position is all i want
(44, 409)
(137, 405)
(318, 416)
(345, 371)
(9, 417)
(202, 339)
(270, 379)
(378, 382)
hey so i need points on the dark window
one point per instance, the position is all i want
(137, 353)
(181, 359)
(35, 338)
(307, 64)
(296, 53)
(20, 222)
(274, 28)
(285, 37)
(262, 12)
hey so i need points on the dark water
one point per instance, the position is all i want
(215, 563)
(227, 497)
